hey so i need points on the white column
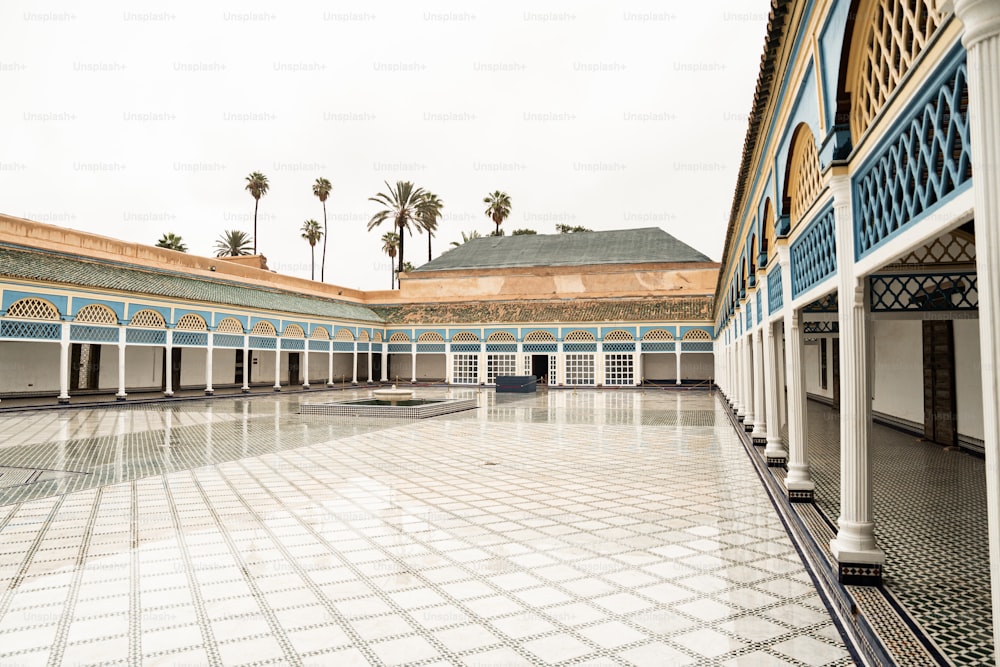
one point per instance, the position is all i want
(385, 361)
(413, 363)
(855, 544)
(982, 40)
(168, 364)
(482, 364)
(774, 450)
(329, 365)
(677, 359)
(277, 364)
(760, 422)
(354, 365)
(799, 481)
(305, 364)
(247, 364)
(738, 396)
(369, 360)
(747, 369)
(208, 364)
(600, 378)
(637, 366)
(121, 396)
(64, 348)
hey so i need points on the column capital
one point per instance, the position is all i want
(981, 18)
(840, 186)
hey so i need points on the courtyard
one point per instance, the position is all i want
(587, 527)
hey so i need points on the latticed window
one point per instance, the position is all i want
(890, 42)
(264, 328)
(539, 337)
(949, 248)
(398, 337)
(293, 331)
(579, 335)
(618, 335)
(378, 336)
(466, 369)
(320, 333)
(500, 364)
(465, 337)
(33, 309)
(230, 325)
(191, 322)
(95, 313)
(697, 334)
(579, 369)
(618, 370)
(501, 337)
(364, 337)
(149, 319)
(345, 334)
(658, 334)
(430, 337)
(804, 177)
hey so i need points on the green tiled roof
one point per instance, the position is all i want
(87, 272)
(627, 246)
(670, 309)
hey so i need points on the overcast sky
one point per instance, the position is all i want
(135, 119)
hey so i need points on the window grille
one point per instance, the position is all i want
(149, 319)
(465, 369)
(191, 322)
(95, 313)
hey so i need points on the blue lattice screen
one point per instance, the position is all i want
(814, 253)
(926, 162)
(263, 343)
(344, 346)
(431, 347)
(697, 346)
(146, 336)
(322, 345)
(619, 347)
(37, 330)
(658, 347)
(760, 307)
(501, 347)
(227, 340)
(580, 347)
(190, 339)
(293, 344)
(922, 292)
(538, 347)
(397, 347)
(92, 334)
(775, 297)
(465, 347)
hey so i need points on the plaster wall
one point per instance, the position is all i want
(898, 386)
(811, 369)
(29, 366)
(699, 366)
(659, 366)
(968, 379)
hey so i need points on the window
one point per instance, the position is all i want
(500, 364)
(466, 369)
(618, 370)
(579, 369)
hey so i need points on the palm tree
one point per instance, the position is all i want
(390, 241)
(312, 233)
(171, 241)
(405, 206)
(257, 185)
(321, 188)
(468, 237)
(429, 223)
(498, 209)
(232, 243)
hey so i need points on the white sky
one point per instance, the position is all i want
(134, 119)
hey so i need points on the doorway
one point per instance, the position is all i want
(939, 382)
(540, 366)
(175, 370)
(293, 369)
(238, 374)
(86, 366)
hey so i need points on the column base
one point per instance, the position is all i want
(168, 394)
(859, 574)
(747, 426)
(800, 495)
(209, 392)
(329, 384)
(120, 397)
(63, 401)
(277, 388)
(305, 386)
(354, 383)
(776, 461)
(245, 390)
(758, 440)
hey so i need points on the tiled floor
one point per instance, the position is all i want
(600, 528)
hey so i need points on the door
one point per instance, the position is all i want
(376, 367)
(939, 382)
(175, 370)
(293, 368)
(85, 366)
(238, 374)
(540, 366)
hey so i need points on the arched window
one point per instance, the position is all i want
(398, 337)
(264, 328)
(293, 331)
(344, 334)
(769, 237)
(33, 309)
(539, 337)
(319, 332)
(888, 37)
(96, 313)
(697, 334)
(149, 319)
(363, 337)
(804, 181)
(658, 335)
(618, 335)
(430, 337)
(378, 336)
(230, 325)
(579, 335)
(501, 337)
(191, 322)
(465, 337)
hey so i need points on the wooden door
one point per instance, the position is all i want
(939, 382)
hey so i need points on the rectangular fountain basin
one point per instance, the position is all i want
(414, 408)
